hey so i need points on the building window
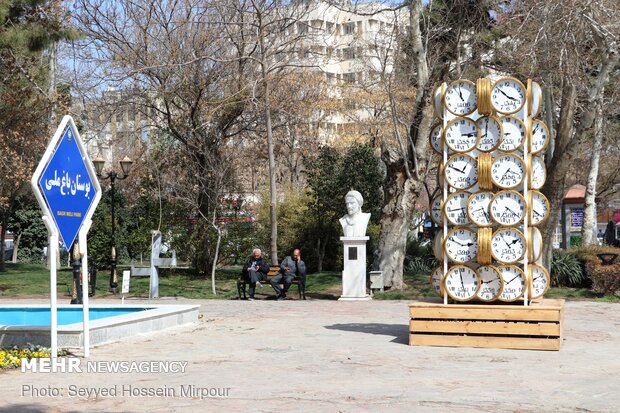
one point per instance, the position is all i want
(348, 28)
(348, 77)
(348, 53)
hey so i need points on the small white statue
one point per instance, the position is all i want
(355, 222)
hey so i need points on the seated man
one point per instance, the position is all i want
(254, 271)
(290, 268)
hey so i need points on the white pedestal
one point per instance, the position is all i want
(354, 274)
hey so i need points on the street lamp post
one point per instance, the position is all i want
(113, 176)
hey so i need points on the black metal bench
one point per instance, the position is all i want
(242, 282)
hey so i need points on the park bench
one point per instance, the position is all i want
(156, 262)
(273, 271)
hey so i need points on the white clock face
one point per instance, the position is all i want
(461, 135)
(508, 95)
(538, 172)
(436, 210)
(436, 137)
(478, 208)
(461, 283)
(508, 208)
(490, 283)
(491, 133)
(540, 208)
(508, 245)
(438, 245)
(456, 208)
(461, 171)
(460, 97)
(461, 245)
(436, 278)
(514, 133)
(514, 282)
(537, 102)
(535, 242)
(539, 280)
(540, 136)
(507, 171)
(438, 101)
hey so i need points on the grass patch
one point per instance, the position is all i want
(417, 286)
(580, 294)
(32, 280)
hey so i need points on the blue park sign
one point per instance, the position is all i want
(68, 182)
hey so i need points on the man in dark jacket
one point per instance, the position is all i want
(255, 270)
(290, 267)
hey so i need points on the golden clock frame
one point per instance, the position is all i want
(525, 283)
(501, 286)
(461, 300)
(504, 191)
(524, 245)
(525, 170)
(523, 88)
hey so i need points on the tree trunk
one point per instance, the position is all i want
(400, 195)
(559, 167)
(217, 253)
(5, 218)
(15, 248)
(270, 146)
(588, 231)
(320, 255)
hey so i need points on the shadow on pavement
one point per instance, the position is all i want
(400, 332)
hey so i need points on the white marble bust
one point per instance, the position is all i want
(355, 222)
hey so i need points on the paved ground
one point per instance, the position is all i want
(329, 356)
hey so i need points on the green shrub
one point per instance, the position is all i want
(567, 270)
(419, 257)
(605, 278)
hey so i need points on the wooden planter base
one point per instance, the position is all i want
(538, 326)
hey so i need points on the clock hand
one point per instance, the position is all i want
(456, 242)
(504, 176)
(455, 209)
(511, 211)
(469, 135)
(462, 284)
(452, 167)
(504, 239)
(535, 129)
(513, 279)
(461, 94)
(504, 93)
(536, 213)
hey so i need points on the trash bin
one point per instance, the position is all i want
(376, 281)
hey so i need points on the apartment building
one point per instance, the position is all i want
(354, 46)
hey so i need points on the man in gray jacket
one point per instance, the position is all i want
(291, 266)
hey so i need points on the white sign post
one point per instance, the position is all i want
(67, 190)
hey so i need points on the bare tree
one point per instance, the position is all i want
(187, 80)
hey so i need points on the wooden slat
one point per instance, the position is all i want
(462, 312)
(485, 327)
(484, 341)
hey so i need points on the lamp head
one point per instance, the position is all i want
(98, 162)
(126, 165)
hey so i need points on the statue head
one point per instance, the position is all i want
(354, 201)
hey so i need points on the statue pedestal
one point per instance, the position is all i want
(354, 274)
